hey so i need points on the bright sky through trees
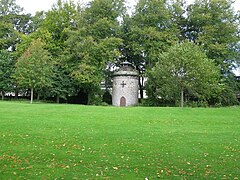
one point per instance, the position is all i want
(36, 5)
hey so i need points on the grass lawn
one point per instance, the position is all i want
(49, 141)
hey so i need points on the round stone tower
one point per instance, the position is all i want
(125, 86)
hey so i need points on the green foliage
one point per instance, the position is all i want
(6, 71)
(215, 26)
(195, 104)
(8, 36)
(184, 68)
(23, 23)
(86, 42)
(148, 32)
(99, 10)
(230, 90)
(9, 7)
(54, 30)
(62, 84)
(37, 20)
(90, 59)
(61, 17)
(94, 44)
(178, 9)
(26, 41)
(12, 22)
(34, 68)
(47, 141)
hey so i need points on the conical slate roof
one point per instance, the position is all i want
(126, 69)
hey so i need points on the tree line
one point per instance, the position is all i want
(187, 52)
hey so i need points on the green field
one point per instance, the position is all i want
(48, 141)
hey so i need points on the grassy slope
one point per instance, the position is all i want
(78, 142)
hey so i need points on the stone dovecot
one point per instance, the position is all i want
(125, 86)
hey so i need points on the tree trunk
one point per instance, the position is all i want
(16, 93)
(141, 87)
(182, 97)
(89, 99)
(38, 96)
(2, 94)
(31, 95)
(57, 99)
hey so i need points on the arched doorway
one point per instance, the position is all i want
(123, 101)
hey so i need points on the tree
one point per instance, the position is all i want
(9, 7)
(178, 10)
(58, 22)
(94, 44)
(34, 68)
(147, 33)
(60, 19)
(12, 22)
(101, 18)
(215, 26)
(61, 83)
(184, 69)
(13, 14)
(6, 71)
(37, 20)
(8, 36)
(89, 59)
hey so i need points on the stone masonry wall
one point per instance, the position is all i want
(125, 84)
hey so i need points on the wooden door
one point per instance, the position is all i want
(123, 101)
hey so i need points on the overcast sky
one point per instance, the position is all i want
(31, 6)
